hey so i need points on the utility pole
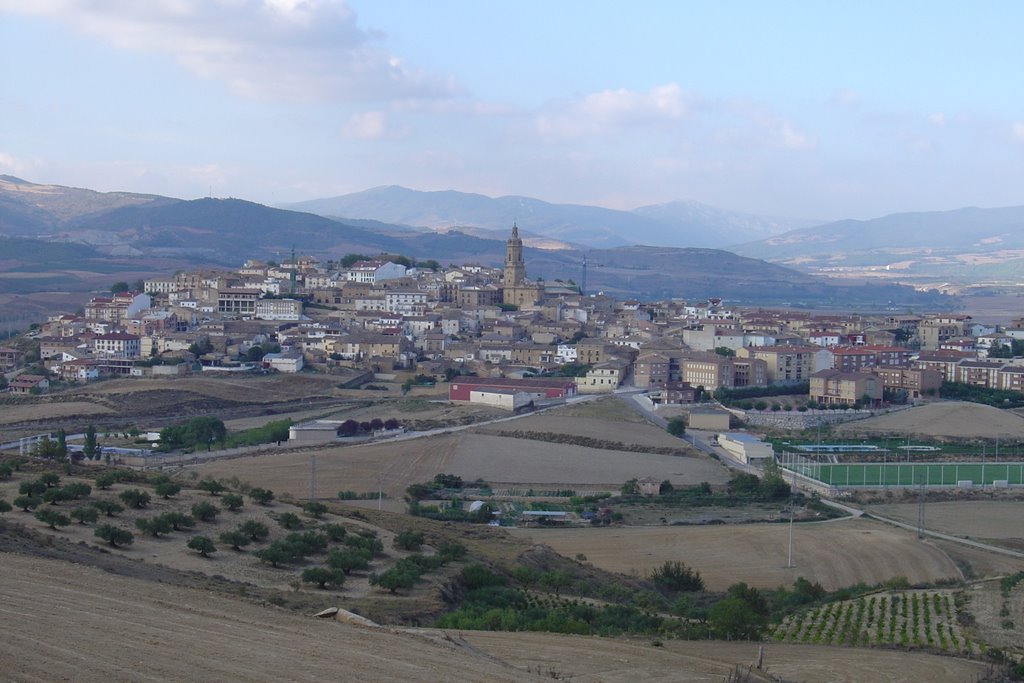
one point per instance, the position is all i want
(312, 477)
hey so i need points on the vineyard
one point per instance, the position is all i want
(908, 619)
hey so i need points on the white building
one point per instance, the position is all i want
(290, 362)
(372, 272)
(278, 309)
(746, 447)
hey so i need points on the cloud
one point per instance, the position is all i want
(610, 109)
(12, 165)
(845, 97)
(1017, 131)
(368, 125)
(790, 138)
(304, 50)
(937, 119)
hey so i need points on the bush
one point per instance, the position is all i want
(211, 486)
(289, 520)
(677, 577)
(5, 506)
(348, 560)
(315, 509)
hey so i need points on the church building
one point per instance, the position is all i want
(516, 290)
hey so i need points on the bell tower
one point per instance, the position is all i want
(515, 267)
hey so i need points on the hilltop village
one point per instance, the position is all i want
(360, 317)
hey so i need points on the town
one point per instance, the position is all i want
(363, 317)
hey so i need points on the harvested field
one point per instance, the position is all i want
(11, 414)
(835, 554)
(594, 428)
(496, 459)
(993, 521)
(999, 618)
(945, 419)
(628, 660)
(153, 631)
(607, 408)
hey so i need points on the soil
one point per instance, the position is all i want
(944, 419)
(835, 554)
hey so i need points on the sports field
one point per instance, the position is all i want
(909, 474)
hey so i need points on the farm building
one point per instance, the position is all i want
(461, 388)
(746, 447)
(505, 399)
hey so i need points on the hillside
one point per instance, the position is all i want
(968, 241)
(677, 224)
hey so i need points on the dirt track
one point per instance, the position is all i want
(835, 554)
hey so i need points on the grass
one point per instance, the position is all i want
(912, 474)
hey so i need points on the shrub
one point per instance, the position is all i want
(323, 576)
(235, 538)
(289, 520)
(261, 496)
(211, 486)
(677, 577)
(315, 509)
(167, 489)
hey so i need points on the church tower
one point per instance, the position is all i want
(515, 267)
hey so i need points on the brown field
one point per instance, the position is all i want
(986, 602)
(20, 413)
(835, 554)
(985, 520)
(131, 630)
(630, 660)
(945, 419)
(644, 434)
(499, 460)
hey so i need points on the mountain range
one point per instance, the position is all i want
(121, 232)
(675, 224)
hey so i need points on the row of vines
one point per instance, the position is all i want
(911, 619)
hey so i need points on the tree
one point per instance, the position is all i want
(106, 480)
(153, 525)
(77, 490)
(62, 444)
(52, 518)
(179, 521)
(85, 515)
(211, 486)
(315, 509)
(394, 579)
(255, 353)
(167, 489)
(773, 486)
(733, 619)
(677, 577)
(113, 535)
(55, 496)
(275, 555)
(119, 288)
(725, 351)
(676, 426)
(323, 576)
(27, 503)
(34, 489)
(202, 545)
(409, 540)
(335, 532)
(630, 488)
(232, 501)
(90, 447)
(108, 506)
(348, 428)
(135, 498)
(666, 488)
(289, 520)
(235, 538)
(5, 470)
(49, 479)
(348, 559)
(261, 496)
(257, 531)
(205, 512)
(5, 506)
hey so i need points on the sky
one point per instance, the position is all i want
(796, 109)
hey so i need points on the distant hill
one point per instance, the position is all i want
(678, 224)
(940, 240)
(150, 234)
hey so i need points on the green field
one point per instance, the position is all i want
(909, 474)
